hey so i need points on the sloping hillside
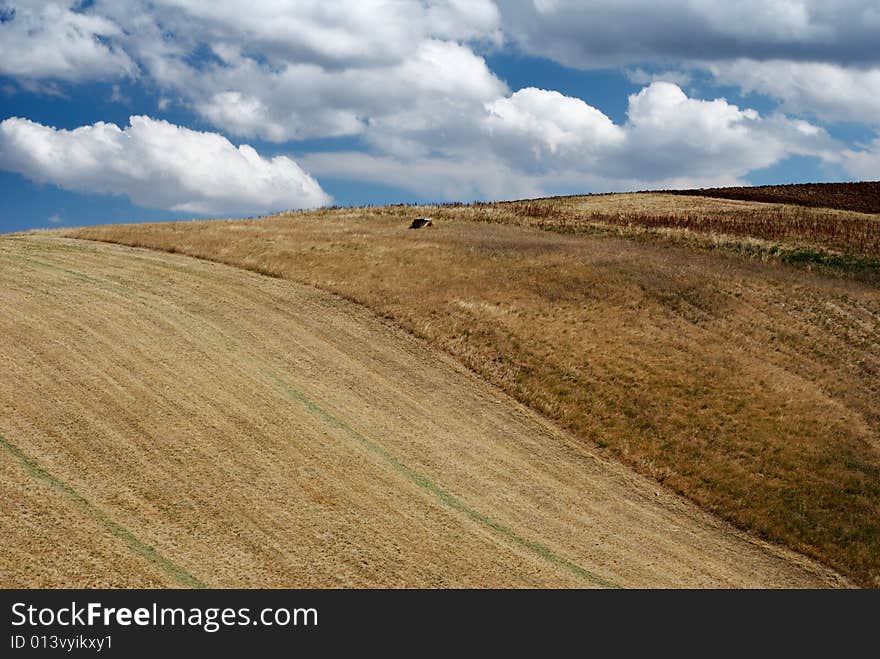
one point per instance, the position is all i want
(172, 422)
(705, 361)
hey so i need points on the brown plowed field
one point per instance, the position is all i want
(863, 197)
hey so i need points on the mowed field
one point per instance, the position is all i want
(741, 371)
(166, 421)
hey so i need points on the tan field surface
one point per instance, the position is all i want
(167, 421)
(727, 349)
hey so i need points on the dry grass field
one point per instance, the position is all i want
(166, 421)
(749, 385)
(791, 233)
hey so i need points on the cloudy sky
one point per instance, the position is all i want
(128, 111)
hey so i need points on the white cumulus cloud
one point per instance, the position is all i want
(301, 100)
(409, 82)
(828, 91)
(40, 40)
(546, 125)
(670, 134)
(290, 70)
(603, 33)
(864, 163)
(342, 33)
(158, 164)
(535, 142)
(818, 58)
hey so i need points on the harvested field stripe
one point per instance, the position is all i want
(34, 469)
(443, 495)
(105, 284)
(27, 259)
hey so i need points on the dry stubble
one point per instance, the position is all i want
(175, 422)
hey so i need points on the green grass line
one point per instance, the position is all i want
(35, 470)
(103, 284)
(73, 273)
(443, 495)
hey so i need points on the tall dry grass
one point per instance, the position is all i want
(752, 388)
(841, 231)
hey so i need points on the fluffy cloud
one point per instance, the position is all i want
(539, 125)
(536, 142)
(818, 58)
(157, 164)
(39, 40)
(669, 133)
(641, 77)
(298, 70)
(281, 70)
(298, 101)
(343, 33)
(485, 176)
(862, 164)
(829, 91)
(408, 81)
(613, 32)
(294, 69)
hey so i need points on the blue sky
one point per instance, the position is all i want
(145, 111)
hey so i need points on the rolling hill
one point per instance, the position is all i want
(592, 391)
(172, 422)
